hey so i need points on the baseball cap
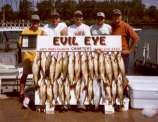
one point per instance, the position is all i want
(116, 12)
(78, 12)
(35, 17)
(100, 14)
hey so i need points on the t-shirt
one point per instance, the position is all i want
(54, 30)
(104, 29)
(126, 32)
(81, 30)
(28, 56)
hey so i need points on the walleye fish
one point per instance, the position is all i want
(43, 63)
(114, 65)
(121, 64)
(65, 64)
(52, 69)
(61, 91)
(77, 66)
(102, 69)
(103, 95)
(120, 88)
(97, 93)
(84, 68)
(114, 91)
(67, 91)
(90, 91)
(78, 90)
(36, 68)
(59, 64)
(108, 92)
(91, 65)
(42, 92)
(55, 91)
(96, 65)
(49, 93)
(83, 93)
(108, 67)
(71, 71)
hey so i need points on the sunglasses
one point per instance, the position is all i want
(78, 16)
(100, 18)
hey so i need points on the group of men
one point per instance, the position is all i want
(78, 28)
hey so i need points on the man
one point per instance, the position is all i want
(28, 56)
(78, 28)
(100, 28)
(56, 27)
(119, 27)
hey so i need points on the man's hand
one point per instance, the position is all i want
(126, 52)
(98, 51)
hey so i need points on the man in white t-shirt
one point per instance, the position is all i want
(78, 28)
(56, 27)
(100, 28)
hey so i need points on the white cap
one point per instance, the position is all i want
(100, 14)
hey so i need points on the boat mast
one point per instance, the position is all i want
(3, 12)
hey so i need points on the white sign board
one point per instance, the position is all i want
(79, 43)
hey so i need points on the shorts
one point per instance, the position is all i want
(27, 67)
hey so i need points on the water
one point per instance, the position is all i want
(150, 36)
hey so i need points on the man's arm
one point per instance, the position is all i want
(134, 37)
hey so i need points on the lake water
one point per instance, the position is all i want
(147, 36)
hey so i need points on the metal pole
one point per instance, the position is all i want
(52, 6)
(3, 11)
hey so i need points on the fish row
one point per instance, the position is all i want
(90, 75)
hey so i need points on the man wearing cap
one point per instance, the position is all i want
(56, 27)
(100, 28)
(78, 28)
(119, 27)
(28, 56)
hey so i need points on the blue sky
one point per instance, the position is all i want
(15, 3)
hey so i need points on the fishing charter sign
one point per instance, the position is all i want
(79, 43)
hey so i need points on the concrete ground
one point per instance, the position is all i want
(11, 111)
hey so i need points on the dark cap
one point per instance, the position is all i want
(100, 14)
(78, 12)
(35, 17)
(116, 12)
(55, 14)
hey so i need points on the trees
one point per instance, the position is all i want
(25, 10)
(133, 11)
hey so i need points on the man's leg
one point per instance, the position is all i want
(22, 85)
(126, 62)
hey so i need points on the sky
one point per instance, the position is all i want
(15, 3)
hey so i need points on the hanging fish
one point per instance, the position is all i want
(114, 65)
(77, 66)
(52, 69)
(71, 71)
(59, 63)
(49, 92)
(84, 68)
(91, 65)
(120, 88)
(67, 91)
(108, 67)
(121, 64)
(36, 68)
(102, 69)
(65, 64)
(97, 93)
(96, 65)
